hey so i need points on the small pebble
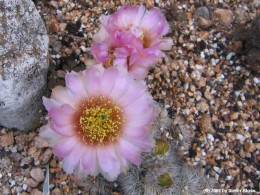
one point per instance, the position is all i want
(37, 174)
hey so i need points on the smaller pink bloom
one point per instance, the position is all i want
(148, 25)
(132, 38)
(100, 122)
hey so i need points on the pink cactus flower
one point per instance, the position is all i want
(136, 32)
(100, 122)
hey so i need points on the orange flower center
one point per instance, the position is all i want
(99, 121)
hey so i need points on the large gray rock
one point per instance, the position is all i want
(23, 64)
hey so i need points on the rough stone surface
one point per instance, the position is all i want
(253, 59)
(224, 16)
(201, 16)
(254, 32)
(23, 64)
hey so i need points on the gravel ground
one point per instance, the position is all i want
(205, 79)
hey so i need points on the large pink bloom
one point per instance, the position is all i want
(100, 122)
(132, 38)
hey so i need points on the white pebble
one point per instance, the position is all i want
(239, 103)
(198, 98)
(83, 48)
(210, 137)
(167, 106)
(230, 55)
(13, 149)
(228, 177)
(9, 174)
(217, 169)
(225, 143)
(242, 97)
(199, 67)
(218, 35)
(25, 186)
(1, 175)
(83, 26)
(256, 80)
(215, 45)
(237, 93)
(238, 68)
(195, 163)
(245, 8)
(202, 54)
(216, 177)
(240, 137)
(12, 183)
(211, 51)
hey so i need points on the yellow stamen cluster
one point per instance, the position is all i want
(100, 121)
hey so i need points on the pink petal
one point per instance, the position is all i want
(127, 16)
(61, 95)
(47, 133)
(135, 132)
(65, 146)
(129, 151)
(74, 84)
(67, 130)
(140, 106)
(108, 80)
(155, 24)
(162, 44)
(120, 87)
(50, 103)
(123, 161)
(102, 34)
(108, 162)
(100, 51)
(138, 72)
(147, 144)
(134, 91)
(140, 120)
(121, 55)
(128, 40)
(136, 31)
(92, 80)
(89, 161)
(72, 161)
(62, 116)
(144, 143)
(147, 58)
